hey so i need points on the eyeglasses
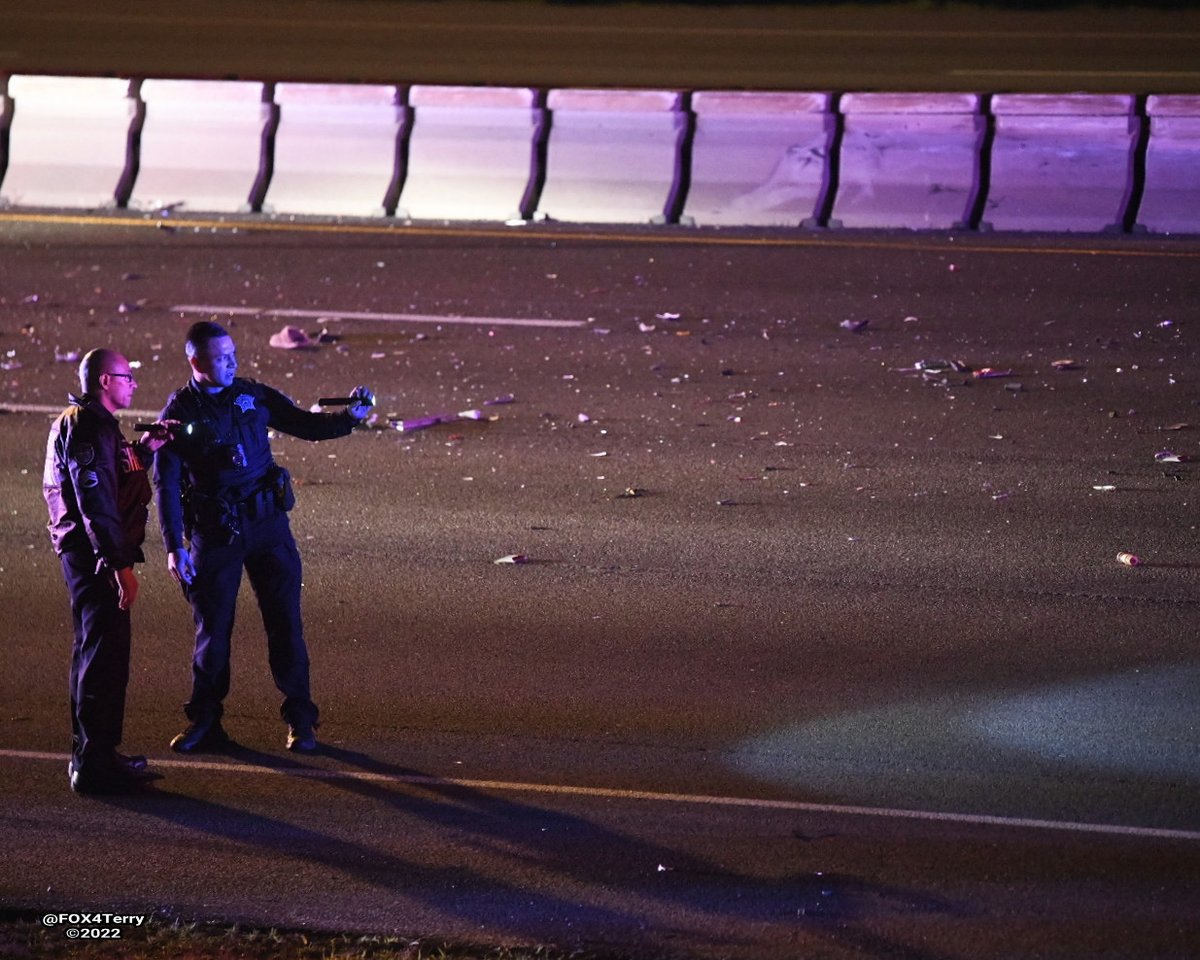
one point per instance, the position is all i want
(123, 376)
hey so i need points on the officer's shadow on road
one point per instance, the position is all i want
(448, 887)
(575, 854)
(592, 877)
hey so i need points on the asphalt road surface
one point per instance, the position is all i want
(815, 654)
(812, 47)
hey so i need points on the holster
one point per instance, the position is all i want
(279, 482)
(211, 517)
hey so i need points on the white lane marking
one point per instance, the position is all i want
(366, 315)
(54, 410)
(610, 793)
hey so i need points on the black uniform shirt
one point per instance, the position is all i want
(222, 449)
(95, 486)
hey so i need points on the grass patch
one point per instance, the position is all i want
(23, 935)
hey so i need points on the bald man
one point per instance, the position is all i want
(96, 488)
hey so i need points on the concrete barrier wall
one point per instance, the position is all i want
(337, 149)
(1061, 163)
(1073, 162)
(613, 156)
(1171, 197)
(909, 160)
(69, 142)
(758, 159)
(472, 153)
(202, 145)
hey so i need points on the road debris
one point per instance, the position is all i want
(511, 558)
(936, 367)
(292, 338)
(1129, 559)
(422, 423)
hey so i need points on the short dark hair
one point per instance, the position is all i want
(200, 333)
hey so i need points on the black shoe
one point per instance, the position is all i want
(301, 738)
(136, 766)
(202, 737)
(133, 763)
(107, 779)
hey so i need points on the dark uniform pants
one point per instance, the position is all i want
(99, 659)
(267, 551)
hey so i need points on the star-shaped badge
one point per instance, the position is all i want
(244, 401)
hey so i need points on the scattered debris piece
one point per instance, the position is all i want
(1104, 486)
(1177, 426)
(422, 423)
(630, 493)
(1064, 365)
(1129, 559)
(667, 316)
(292, 338)
(986, 373)
(66, 356)
(854, 326)
(1169, 456)
(512, 558)
(941, 366)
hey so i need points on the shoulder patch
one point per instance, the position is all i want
(85, 454)
(245, 402)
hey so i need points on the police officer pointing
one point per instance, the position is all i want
(96, 489)
(223, 504)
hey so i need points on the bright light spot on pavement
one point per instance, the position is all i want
(1001, 749)
(1144, 723)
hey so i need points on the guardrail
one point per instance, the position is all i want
(1076, 162)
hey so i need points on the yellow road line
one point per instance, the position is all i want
(402, 230)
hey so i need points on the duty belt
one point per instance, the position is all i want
(259, 503)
